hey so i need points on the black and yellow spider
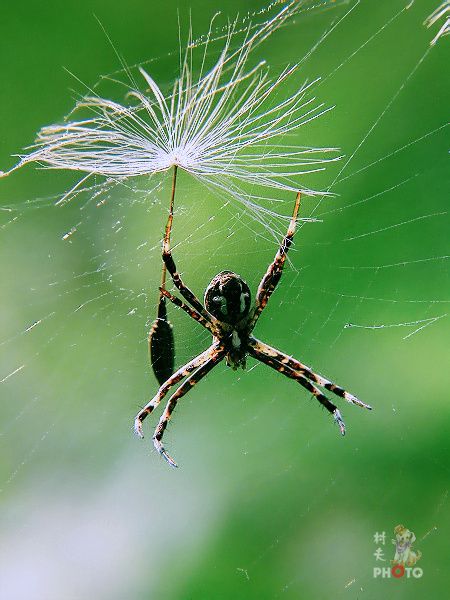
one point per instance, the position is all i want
(228, 316)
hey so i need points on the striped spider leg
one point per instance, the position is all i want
(198, 367)
(273, 274)
(227, 313)
(294, 369)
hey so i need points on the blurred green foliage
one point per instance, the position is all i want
(269, 501)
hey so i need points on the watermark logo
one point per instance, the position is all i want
(405, 558)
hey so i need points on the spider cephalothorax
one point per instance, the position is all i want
(227, 299)
(230, 319)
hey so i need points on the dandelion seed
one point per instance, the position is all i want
(225, 128)
(443, 9)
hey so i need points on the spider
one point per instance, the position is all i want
(227, 313)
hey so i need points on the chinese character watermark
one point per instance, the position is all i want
(404, 558)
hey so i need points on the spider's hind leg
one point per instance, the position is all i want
(286, 370)
(182, 372)
(297, 366)
(215, 358)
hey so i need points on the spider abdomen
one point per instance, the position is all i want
(227, 298)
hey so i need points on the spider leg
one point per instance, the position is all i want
(304, 370)
(183, 289)
(292, 374)
(190, 311)
(273, 274)
(198, 361)
(215, 357)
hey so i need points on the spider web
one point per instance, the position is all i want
(269, 501)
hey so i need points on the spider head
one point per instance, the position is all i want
(227, 298)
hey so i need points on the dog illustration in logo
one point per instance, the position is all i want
(404, 554)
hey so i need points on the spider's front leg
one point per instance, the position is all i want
(273, 274)
(183, 289)
(187, 309)
(215, 357)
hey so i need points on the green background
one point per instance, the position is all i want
(269, 501)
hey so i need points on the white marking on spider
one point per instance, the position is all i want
(223, 304)
(235, 339)
(244, 295)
